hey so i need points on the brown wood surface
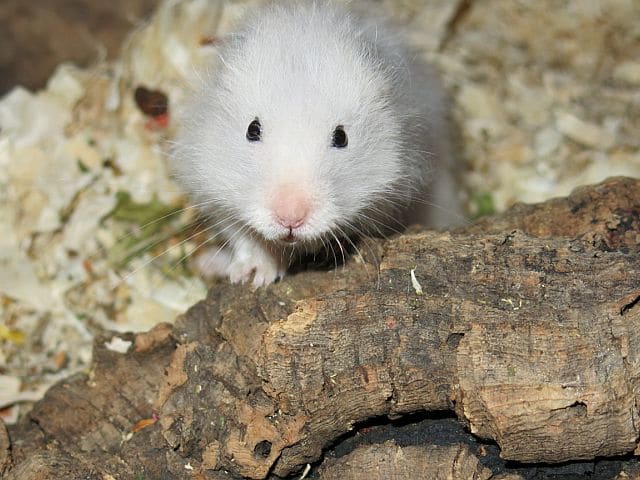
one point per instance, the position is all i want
(389, 461)
(5, 454)
(528, 328)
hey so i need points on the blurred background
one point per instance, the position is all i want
(37, 35)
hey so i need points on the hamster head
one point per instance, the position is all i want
(295, 136)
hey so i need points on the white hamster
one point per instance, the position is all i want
(319, 124)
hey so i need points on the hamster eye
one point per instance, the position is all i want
(254, 131)
(340, 139)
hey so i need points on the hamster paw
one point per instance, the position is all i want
(265, 269)
(214, 262)
(252, 261)
(245, 260)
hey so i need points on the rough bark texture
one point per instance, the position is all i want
(528, 328)
(5, 456)
(392, 462)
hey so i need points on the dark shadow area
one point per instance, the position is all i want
(442, 428)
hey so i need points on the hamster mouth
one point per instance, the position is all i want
(290, 238)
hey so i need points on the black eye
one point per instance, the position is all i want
(340, 139)
(254, 131)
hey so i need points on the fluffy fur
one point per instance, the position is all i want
(303, 68)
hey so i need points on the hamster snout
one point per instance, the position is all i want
(318, 124)
(291, 208)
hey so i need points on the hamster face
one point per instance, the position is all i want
(296, 136)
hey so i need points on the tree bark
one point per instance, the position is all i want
(5, 454)
(392, 462)
(528, 327)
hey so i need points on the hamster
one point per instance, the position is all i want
(319, 124)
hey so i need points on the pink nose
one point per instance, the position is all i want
(290, 206)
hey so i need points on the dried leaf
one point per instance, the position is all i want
(144, 424)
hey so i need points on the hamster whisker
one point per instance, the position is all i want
(376, 220)
(291, 254)
(328, 247)
(172, 247)
(165, 217)
(358, 252)
(459, 217)
(224, 245)
(154, 240)
(333, 253)
(208, 240)
(339, 243)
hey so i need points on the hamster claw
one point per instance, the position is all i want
(263, 269)
(240, 265)
(263, 277)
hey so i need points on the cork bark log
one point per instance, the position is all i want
(390, 461)
(528, 327)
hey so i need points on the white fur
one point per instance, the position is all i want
(303, 68)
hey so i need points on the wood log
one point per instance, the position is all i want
(5, 455)
(389, 461)
(527, 325)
